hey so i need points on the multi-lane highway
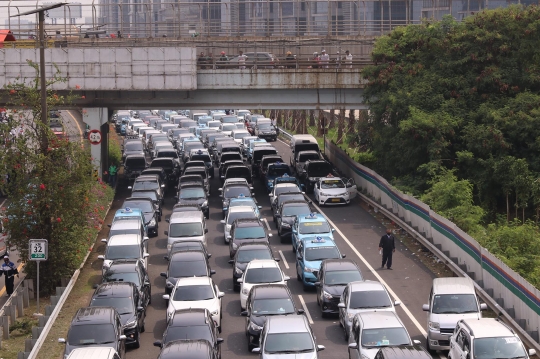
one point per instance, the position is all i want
(357, 235)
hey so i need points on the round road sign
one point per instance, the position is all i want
(95, 137)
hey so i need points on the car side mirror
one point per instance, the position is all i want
(102, 257)
(286, 278)
(109, 225)
(342, 305)
(229, 237)
(95, 286)
(146, 255)
(244, 313)
(270, 234)
(231, 261)
(158, 344)
(220, 189)
(130, 187)
(166, 258)
(320, 348)
(397, 302)
(163, 274)
(219, 340)
(333, 230)
(62, 340)
(353, 346)
(122, 337)
(300, 311)
(206, 230)
(259, 207)
(532, 352)
(222, 221)
(425, 307)
(104, 240)
(343, 255)
(166, 233)
(277, 259)
(256, 350)
(166, 296)
(417, 342)
(317, 284)
(483, 306)
(208, 255)
(221, 295)
(212, 272)
(239, 280)
(140, 309)
(145, 239)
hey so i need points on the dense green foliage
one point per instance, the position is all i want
(461, 96)
(52, 193)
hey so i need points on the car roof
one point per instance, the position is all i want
(487, 328)
(186, 217)
(271, 291)
(312, 241)
(115, 289)
(91, 353)
(287, 324)
(123, 265)
(247, 222)
(123, 212)
(189, 317)
(182, 348)
(339, 264)
(123, 239)
(94, 315)
(364, 286)
(240, 209)
(317, 217)
(193, 281)
(380, 319)
(457, 285)
(263, 263)
(286, 184)
(134, 223)
(405, 352)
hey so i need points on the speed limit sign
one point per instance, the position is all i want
(94, 136)
(38, 250)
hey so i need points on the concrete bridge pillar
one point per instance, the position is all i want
(97, 118)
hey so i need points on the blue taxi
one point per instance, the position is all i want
(242, 200)
(129, 213)
(312, 225)
(275, 170)
(309, 255)
(287, 179)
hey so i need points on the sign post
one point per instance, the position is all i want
(38, 252)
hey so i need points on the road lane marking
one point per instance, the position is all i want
(267, 225)
(76, 122)
(405, 309)
(305, 309)
(283, 259)
(3, 290)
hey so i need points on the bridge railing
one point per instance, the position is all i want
(215, 63)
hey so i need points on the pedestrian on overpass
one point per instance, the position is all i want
(241, 60)
(9, 270)
(325, 58)
(223, 60)
(201, 61)
(388, 247)
(348, 59)
(113, 170)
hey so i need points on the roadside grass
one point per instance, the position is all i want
(12, 346)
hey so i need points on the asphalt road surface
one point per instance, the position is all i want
(357, 235)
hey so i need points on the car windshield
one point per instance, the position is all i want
(145, 185)
(257, 155)
(230, 156)
(320, 253)
(191, 293)
(235, 215)
(321, 169)
(308, 156)
(131, 251)
(272, 306)
(247, 202)
(288, 343)
(313, 227)
(150, 194)
(249, 233)
(114, 232)
(382, 337)
(91, 334)
(228, 127)
(135, 163)
(241, 172)
(172, 154)
(191, 193)
(284, 189)
(204, 158)
(369, 299)
(182, 269)
(332, 184)
(279, 171)
(241, 135)
(231, 192)
(185, 230)
(265, 127)
(193, 332)
(341, 277)
(454, 304)
(193, 146)
(131, 277)
(239, 125)
(295, 210)
(500, 348)
(263, 275)
(179, 246)
(246, 256)
(122, 305)
(229, 119)
(133, 146)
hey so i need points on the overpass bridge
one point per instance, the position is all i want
(168, 76)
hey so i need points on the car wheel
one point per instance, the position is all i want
(282, 239)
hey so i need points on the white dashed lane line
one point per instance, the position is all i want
(283, 259)
(305, 309)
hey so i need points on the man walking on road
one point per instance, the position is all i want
(9, 270)
(388, 247)
(113, 170)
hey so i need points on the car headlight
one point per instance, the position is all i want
(238, 271)
(169, 284)
(323, 194)
(152, 222)
(215, 312)
(434, 326)
(345, 194)
(245, 291)
(285, 225)
(254, 327)
(169, 246)
(205, 204)
(234, 245)
(228, 227)
(326, 295)
(309, 270)
(350, 316)
(131, 324)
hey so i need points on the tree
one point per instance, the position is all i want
(341, 125)
(51, 190)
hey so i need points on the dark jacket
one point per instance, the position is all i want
(387, 242)
(8, 269)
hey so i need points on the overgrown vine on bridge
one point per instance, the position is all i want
(51, 190)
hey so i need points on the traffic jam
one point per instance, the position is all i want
(213, 189)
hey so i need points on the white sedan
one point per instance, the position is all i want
(196, 292)
(259, 272)
(334, 191)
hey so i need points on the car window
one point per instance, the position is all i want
(263, 275)
(341, 277)
(320, 253)
(91, 334)
(185, 230)
(181, 269)
(295, 210)
(332, 184)
(191, 293)
(131, 251)
(132, 277)
(191, 193)
(236, 191)
(272, 306)
(122, 305)
(502, 347)
(454, 304)
(191, 332)
(288, 343)
(249, 233)
(235, 215)
(384, 337)
(313, 227)
(246, 256)
(369, 299)
(144, 206)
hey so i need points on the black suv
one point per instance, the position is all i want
(237, 171)
(186, 264)
(126, 299)
(134, 146)
(95, 326)
(159, 171)
(192, 193)
(245, 253)
(130, 271)
(199, 171)
(151, 210)
(332, 279)
(133, 166)
(182, 348)
(244, 230)
(192, 324)
(266, 131)
(287, 196)
(312, 171)
(263, 301)
(286, 214)
(171, 167)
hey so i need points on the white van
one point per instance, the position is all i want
(184, 226)
(450, 300)
(94, 353)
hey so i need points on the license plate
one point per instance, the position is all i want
(335, 199)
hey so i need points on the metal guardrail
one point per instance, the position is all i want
(14, 306)
(285, 134)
